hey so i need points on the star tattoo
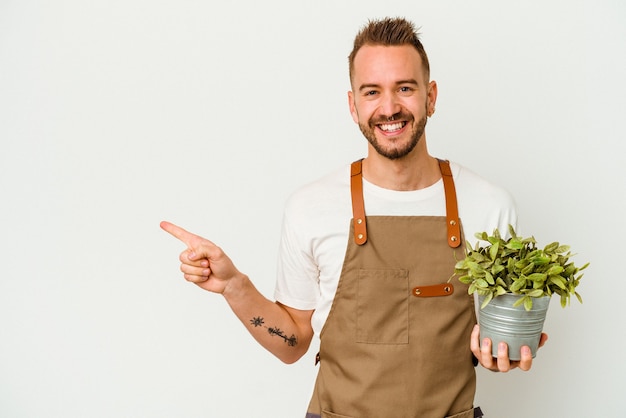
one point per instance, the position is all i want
(257, 321)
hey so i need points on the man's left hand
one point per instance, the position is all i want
(501, 363)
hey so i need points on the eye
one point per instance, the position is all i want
(406, 89)
(371, 93)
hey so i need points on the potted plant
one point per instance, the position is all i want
(515, 280)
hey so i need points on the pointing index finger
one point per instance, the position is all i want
(178, 232)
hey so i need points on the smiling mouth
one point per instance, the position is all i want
(391, 127)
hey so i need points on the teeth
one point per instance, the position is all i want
(391, 126)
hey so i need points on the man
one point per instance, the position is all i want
(397, 337)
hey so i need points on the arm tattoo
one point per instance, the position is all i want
(274, 331)
(257, 321)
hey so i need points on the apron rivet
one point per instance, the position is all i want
(453, 238)
(359, 221)
(417, 291)
(453, 222)
(360, 236)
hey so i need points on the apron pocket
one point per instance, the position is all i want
(382, 311)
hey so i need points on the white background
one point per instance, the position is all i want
(117, 114)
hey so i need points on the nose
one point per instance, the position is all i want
(389, 105)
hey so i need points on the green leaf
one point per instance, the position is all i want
(512, 231)
(465, 279)
(580, 299)
(514, 244)
(472, 288)
(519, 301)
(500, 290)
(538, 277)
(528, 269)
(554, 270)
(510, 264)
(493, 251)
(559, 281)
(493, 240)
(562, 249)
(541, 259)
(528, 303)
(497, 268)
(518, 284)
(460, 265)
(475, 268)
(486, 301)
(551, 247)
(481, 283)
(482, 236)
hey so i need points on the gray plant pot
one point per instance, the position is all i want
(516, 326)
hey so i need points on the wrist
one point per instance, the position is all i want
(235, 286)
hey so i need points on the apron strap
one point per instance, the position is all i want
(358, 205)
(452, 210)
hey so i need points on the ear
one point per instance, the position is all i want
(353, 112)
(432, 98)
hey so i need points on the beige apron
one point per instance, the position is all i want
(396, 341)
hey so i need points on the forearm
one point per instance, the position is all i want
(283, 331)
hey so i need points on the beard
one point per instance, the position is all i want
(398, 149)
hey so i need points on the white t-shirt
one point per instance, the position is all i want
(316, 226)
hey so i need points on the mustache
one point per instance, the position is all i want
(402, 115)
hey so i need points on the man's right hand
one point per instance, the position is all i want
(203, 262)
